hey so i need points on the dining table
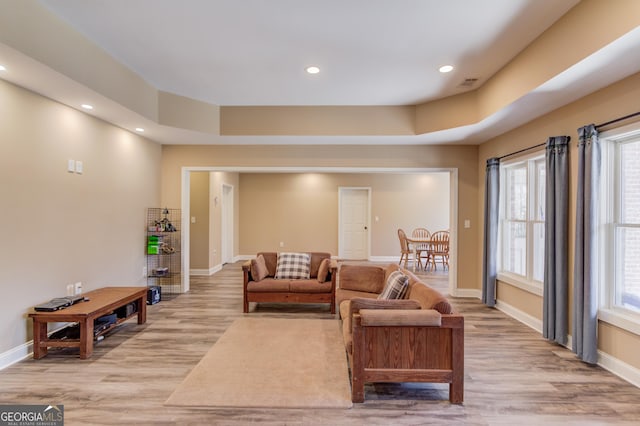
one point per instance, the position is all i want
(415, 242)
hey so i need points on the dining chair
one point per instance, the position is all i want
(439, 248)
(422, 250)
(405, 251)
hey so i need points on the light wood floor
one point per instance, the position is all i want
(512, 375)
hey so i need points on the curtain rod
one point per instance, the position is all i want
(617, 119)
(522, 150)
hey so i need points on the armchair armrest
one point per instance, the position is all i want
(400, 317)
(246, 273)
(333, 268)
(358, 303)
(246, 266)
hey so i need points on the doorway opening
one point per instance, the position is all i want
(452, 204)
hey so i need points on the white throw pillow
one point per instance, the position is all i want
(293, 266)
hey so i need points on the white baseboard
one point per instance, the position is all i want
(206, 272)
(393, 259)
(16, 354)
(521, 316)
(619, 368)
(467, 292)
(21, 352)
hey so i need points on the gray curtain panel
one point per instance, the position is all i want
(556, 240)
(491, 215)
(585, 302)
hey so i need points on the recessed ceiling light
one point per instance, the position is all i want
(87, 106)
(2, 68)
(446, 68)
(139, 129)
(312, 70)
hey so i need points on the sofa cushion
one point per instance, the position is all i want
(396, 286)
(309, 286)
(391, 268)
(428, 297)
(259, 269)
(316, 260)
(368, 278)
(268, 285)
(347, 334)
(293, 266)
(343, 295)
(343, 309)
(323, 270)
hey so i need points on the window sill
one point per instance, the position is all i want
(627, 322)
(522, 284)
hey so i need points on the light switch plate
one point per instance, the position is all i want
(71, 166)
(79, 167)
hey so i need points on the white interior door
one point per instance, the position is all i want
(226, 231)
(353, 223)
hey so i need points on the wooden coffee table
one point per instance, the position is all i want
(101, 302)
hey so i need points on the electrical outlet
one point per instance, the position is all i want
(281, 243)
(70, 289)
(144, 271)
(77, 288)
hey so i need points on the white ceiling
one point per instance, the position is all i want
(371, 52)
(254, 52)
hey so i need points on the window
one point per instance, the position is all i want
(521, 233)
(620, 242)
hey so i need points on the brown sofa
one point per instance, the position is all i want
(270, 289)
(415, 339)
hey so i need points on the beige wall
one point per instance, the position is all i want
(301, 209)
(58, 227)
(462, 158)
(614, 101)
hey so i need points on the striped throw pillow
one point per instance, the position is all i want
(293, 266)
(396, 286)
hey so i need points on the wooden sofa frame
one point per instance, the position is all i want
(408, 353)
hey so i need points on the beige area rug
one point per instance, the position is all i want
(269, 362)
